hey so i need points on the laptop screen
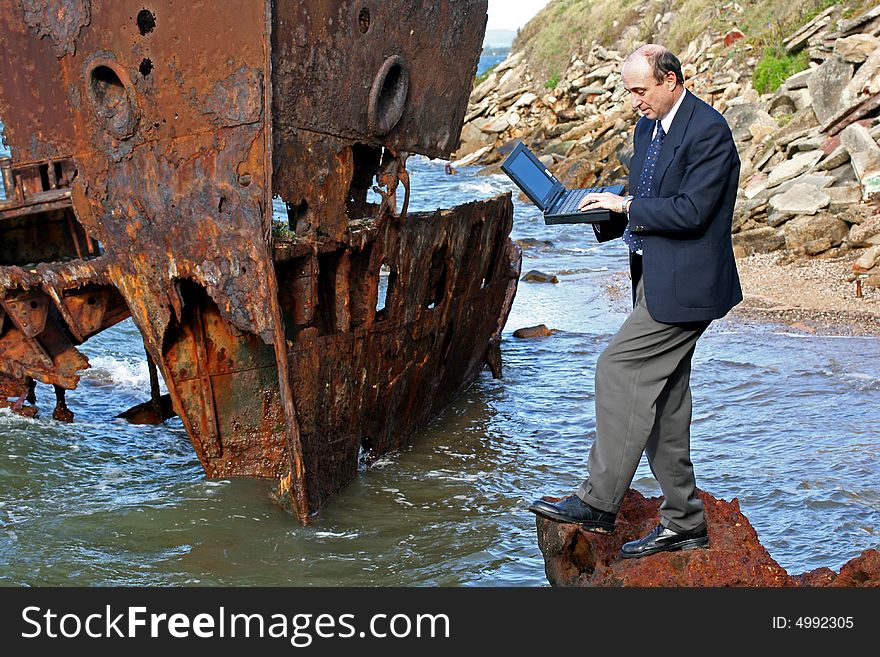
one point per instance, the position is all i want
(530, 176)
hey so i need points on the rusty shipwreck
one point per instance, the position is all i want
(148, 140)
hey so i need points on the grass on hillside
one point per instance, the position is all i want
(775, 67)
(563, 27)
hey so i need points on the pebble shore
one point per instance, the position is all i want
(814, 295)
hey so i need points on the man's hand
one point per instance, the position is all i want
(606, 200)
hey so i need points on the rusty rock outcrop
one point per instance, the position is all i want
(735, 556)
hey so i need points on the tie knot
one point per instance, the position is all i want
(660, 131)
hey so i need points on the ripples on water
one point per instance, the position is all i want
(784, 422)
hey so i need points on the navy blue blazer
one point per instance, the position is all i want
(687, 259)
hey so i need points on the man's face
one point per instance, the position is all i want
(653, 99)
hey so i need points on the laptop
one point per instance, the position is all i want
(559, 205)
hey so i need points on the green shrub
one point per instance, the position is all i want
(552, 81)
(775, 66)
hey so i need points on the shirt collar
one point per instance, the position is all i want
(666, 121)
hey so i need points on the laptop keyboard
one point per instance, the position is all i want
(574, 196)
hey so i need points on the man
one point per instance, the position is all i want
(683, 175)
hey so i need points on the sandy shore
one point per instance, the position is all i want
(811, 294)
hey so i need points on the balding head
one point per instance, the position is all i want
(659, 59)
(652, 74)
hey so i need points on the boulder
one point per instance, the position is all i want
(859, 571)
(788, 101)
(483, 89)
(776, 218)
(472, 139)
(858, 97)
(735, 556)
(856, 138)
(493, 124)
(539, 331)
(800, 163)
(818, 246)
(800, 124)
(600, 73)
(844, 174)
(760, 131)
(866, 81)
(826, 85)
(513, 59)
(512, 79)
(802, 198)
(758, 240)
(471, 158)
(743, 116)
(536, 276)
(838, 157)
(805, 144)
(813, 179)
(809, 32)
(830, 145)
(869, 259)
(867, 168)
(843, 196)
(741, 216)
(856, 48)
(756, 186)
(861, 23)
(798, 80)
(526, 99)
(802, 230)
(508, 98)
(532, 243)
(866, 233)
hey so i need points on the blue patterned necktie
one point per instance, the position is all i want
(634, 242)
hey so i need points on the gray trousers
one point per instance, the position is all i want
(643, 404)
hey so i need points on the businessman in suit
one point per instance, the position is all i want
(677, 223)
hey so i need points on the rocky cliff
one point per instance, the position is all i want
(810, 180)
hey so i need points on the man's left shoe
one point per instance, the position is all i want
(664, 539)
(574, 509)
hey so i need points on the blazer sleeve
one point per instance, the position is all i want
(692, 190)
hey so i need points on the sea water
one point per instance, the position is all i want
(784, 421)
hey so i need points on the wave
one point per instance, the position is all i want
(131, 374)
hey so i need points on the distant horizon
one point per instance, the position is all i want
(499, 38)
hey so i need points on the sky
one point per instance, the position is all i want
(512, 14)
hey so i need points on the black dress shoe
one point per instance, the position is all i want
(662, 539)
(574, 509)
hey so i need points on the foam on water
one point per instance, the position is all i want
(125, 372)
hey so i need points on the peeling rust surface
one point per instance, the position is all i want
(60, 20)
(148, 143)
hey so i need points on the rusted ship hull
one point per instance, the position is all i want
(148, 144)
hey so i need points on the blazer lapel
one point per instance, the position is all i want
(641, 141)
(674, 137)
